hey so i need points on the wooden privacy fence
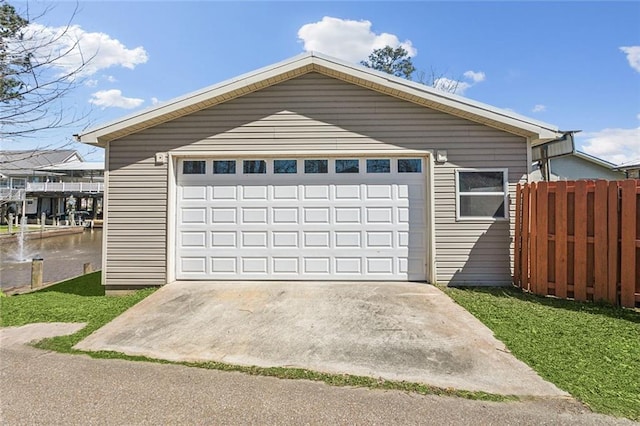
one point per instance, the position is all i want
(579, 239)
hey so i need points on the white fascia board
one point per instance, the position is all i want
(93, 135)
(541, 131)
(545, 131)
(595, 160)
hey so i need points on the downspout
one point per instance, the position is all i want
(545, 160)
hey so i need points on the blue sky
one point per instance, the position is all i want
(572, 64)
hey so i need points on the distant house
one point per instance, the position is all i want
(44, 181)
(580, 165)
(630, 169)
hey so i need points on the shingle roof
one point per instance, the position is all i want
(17, 163)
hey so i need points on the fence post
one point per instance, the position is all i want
(36, 272)
(517, 261)
(87, 268)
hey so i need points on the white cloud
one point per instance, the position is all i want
(476, 77)
(110, 78)
(633, 56)
(114, 98)
(67, 48)
(154, 101)
(459, 87)
(614, 145)
(346, 39)
(91, 83)
(539, 108)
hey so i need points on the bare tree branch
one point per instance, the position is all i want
(37, 74)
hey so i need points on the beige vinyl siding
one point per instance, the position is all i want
(311, 112)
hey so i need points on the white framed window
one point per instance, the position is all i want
(482, 194)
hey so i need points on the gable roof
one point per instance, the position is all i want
(630, 165)
(595, 160)
(420, 94)
(17, 163)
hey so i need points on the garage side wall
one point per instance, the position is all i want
(309, 113)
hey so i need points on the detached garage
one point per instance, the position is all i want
(313, 169)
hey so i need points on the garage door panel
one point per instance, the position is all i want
(285, 192)
(254, 239)
(223, 239)
(316, 239)
(285, 239)
(195, 193)
(254, 192)
(197, 239)
(347, 192)
(223, 215)
(380, 265)
(253, 215)
(285, 215)
(317, 265)
(224, 193)
(379, 215)
(254, 265)
(377, 192)
(316, 192)
(348, 265)
(316, 215)
(285, 265)
(224, 265)
(348, 239)
(348, 215)
(318, 226)
(194, 215)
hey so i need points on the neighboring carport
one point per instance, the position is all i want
(395, 331)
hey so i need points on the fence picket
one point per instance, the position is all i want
(600, 241)
(580, 242)
(587, 235)
(561, 240)
(612, 249)
(628, 244)
(524, 259)
(542, 243)
(533, 238)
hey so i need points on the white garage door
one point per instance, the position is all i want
(319, 219)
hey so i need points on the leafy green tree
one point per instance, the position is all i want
(398, 62)
(11, 64)
(392, 61)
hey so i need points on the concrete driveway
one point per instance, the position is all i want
(398, 331)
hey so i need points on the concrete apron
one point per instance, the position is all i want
(397, 331)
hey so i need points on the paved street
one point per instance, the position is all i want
(40, 387)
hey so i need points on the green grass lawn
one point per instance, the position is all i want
(80, 299)
(591, 351)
